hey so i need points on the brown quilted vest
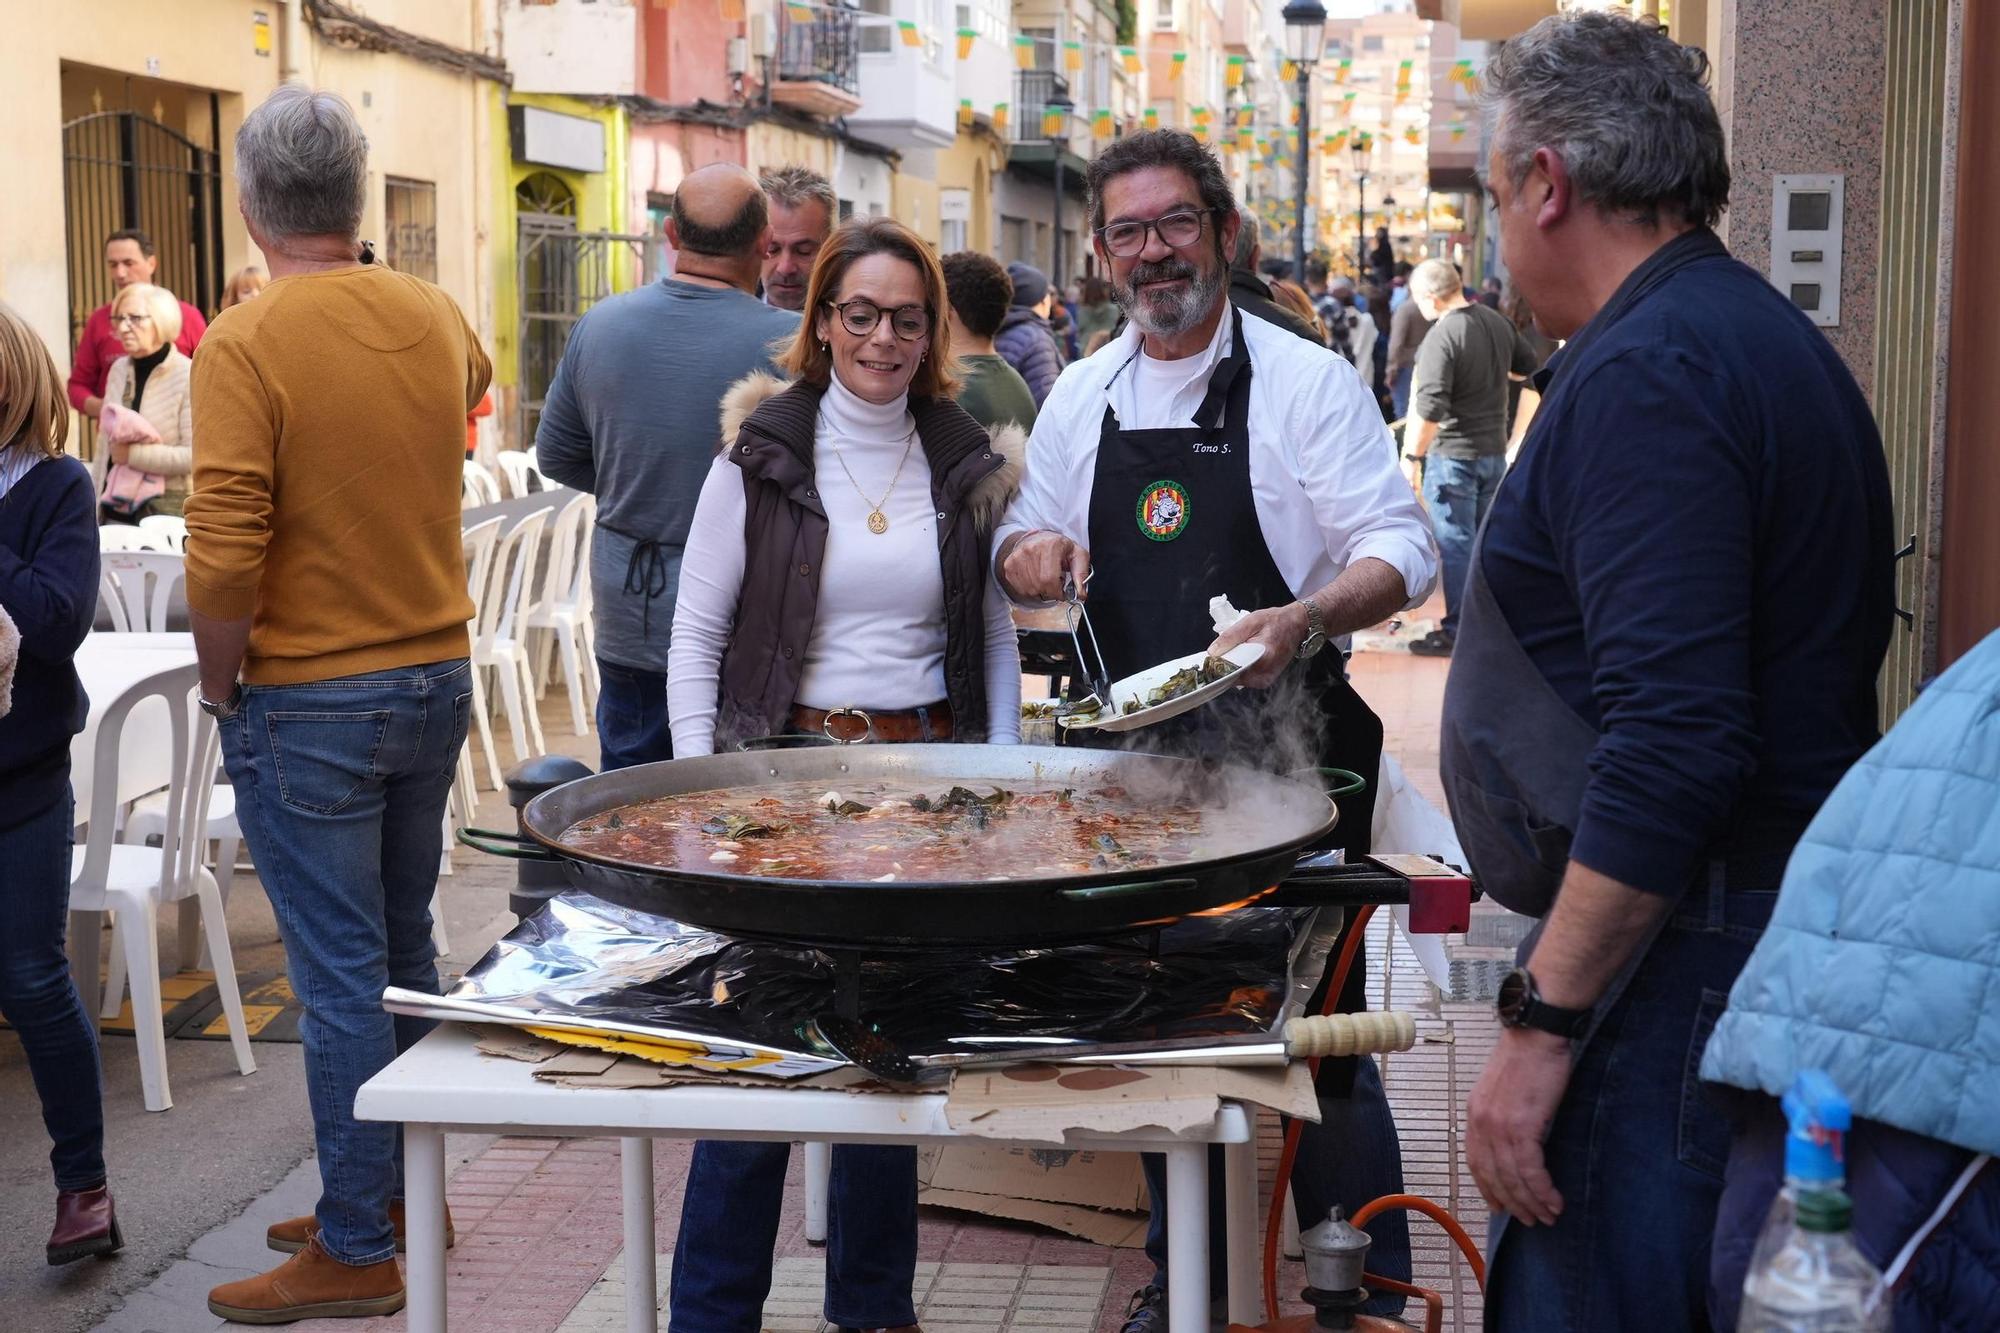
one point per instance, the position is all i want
(785, 528)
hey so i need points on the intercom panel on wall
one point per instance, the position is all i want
(1807, 213)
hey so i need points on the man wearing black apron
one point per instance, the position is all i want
(1206, 452)
(1674, 614)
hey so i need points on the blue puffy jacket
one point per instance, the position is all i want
(1026, 343)
(1881, 966)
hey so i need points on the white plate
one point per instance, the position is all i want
(1115, 718)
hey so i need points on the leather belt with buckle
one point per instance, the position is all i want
(855, 726)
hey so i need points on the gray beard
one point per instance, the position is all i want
(1166, 316)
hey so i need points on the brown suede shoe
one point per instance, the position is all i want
(86, 1224)
(291, 1236)
(312, 1284)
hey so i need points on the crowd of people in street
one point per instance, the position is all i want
(830, 464)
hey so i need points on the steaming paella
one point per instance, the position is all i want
(878, 832)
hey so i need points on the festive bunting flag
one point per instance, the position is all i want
(1288, 71)
(1179, 63)
(1130, 58)
(966, 36)
(1341, 70)
(1024, 52)
(1072, 56)
(965, 113)
(1100, 123)
(798, 13)
(911, 37)
(1233, 72)
(1403, 78)
(1151, 120)
(1199, 129)
(1246, 138)
(1346, 107)
(1246, 116)
(1052, 122)
(1456, 130)
(1294, 117)
(1335, 141)
(1414, 135)
(999, 117)
(1462, 73)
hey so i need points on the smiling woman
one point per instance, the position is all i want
(836, 582)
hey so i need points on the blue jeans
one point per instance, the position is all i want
(1349, 1158)
(341, 788)
(1458, 492)
(1399, 391)
(632, 717)
(729, 1224)
(38, 997)
(1637, 1148)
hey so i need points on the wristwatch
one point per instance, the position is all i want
(1521, 1006)
(225, 709)
(1315, 638)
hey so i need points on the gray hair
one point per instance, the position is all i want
(1247, 237)
(792, 187)
(302, 164)
(1436, 279)
(1626, 108)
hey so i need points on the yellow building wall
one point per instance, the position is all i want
(970, 164)
(767, 146)
(914, 201)
(600, 200)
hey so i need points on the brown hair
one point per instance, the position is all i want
(857, 238)
(242, 285)
(1293, 298)
(34, 412)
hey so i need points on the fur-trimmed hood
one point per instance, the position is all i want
(10, 653)
(989, 499)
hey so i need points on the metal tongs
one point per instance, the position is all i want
(1092, 667)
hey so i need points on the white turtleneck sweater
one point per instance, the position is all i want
(878, 639)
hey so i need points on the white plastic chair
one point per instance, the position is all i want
(562, 612)
(148, 819)
(502, 641)
(516, 466)
(172, 527)
(480, 541)
(132, 882)
(139, 586)
(479, 487)
(125, 537)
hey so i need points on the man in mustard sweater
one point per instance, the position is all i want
(326, 587)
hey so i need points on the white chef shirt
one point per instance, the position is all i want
(1323, 472)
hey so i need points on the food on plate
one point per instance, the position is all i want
(880, 831)
(1185, 681)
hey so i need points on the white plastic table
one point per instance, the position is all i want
(443, 1083)
(110, 664)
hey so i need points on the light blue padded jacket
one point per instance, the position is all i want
(1882, 961)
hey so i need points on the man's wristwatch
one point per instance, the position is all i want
(225, 709)
(1315, 638)
(1521, 1006)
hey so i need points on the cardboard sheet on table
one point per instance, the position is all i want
(1044, 1103)
(1115, 1230)
(1096, 1196)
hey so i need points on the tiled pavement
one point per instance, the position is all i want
(539, 1220)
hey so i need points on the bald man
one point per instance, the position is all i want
(620, 423)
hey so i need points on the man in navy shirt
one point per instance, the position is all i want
(1672, 628)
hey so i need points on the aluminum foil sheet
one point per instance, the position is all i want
(585, 964)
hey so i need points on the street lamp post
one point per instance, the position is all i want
(1305, 39)
(1360, 151)
(1060, 105)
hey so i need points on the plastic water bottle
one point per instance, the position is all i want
(1815, 1155)
(1818, 1281)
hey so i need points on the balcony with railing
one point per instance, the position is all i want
(818, 69)
(1033, 148)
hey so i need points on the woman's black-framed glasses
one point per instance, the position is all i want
(1177, 230)
(861, 317)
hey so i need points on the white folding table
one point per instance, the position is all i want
(443, 1083)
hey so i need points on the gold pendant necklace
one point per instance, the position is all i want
(878, 522)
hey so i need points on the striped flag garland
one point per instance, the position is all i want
(798, 12)
(1456, 129)
(1129, 57)
(999, 117)
(1288, 72)
(1052, 122)
(1413, 135)
(1462, 74)
(1100, 123)
(966, 37)
(911, 36)
(1233, 72)
(1403, 79)
(1341, 70)
(1179, 63)
(1151, 119)
(965, 113)
(1072, 56)
(1024, 52)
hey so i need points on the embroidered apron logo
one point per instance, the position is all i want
(1163, 510)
